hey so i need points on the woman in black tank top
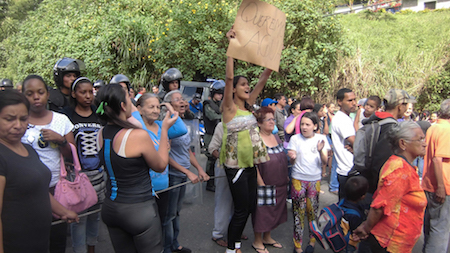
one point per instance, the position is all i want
(129, 209)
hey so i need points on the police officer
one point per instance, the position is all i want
(170, 81)
(97, 85)
(212, 117)
(65, 71)
(6, 84)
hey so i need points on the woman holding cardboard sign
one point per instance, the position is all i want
(242, 147)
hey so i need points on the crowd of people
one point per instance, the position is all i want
(135, 149)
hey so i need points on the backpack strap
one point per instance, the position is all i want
(348, 210)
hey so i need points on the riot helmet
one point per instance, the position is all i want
(64, 66)
(6, 84)
(99, 83)
(170, 75)
(120, 78)
(217, 86)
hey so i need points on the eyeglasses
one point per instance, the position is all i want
(420, 140)
(178, 99)
(268, 120)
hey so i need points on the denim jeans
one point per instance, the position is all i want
(436, 226)
(172, 223)
(86, 231)
(334, 183)
(419, 163)
(223, 205)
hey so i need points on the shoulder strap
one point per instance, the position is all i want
(123, 143)
(348, 210)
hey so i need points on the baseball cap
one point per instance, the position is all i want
(268, 101)
(397, 96)
(197, 96)
(362, 101)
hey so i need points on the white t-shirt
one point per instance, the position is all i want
(308, 165)
(361, 118)
(341, 129)
(49, 152)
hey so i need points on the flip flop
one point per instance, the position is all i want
(273, 245)
(259, 250)
(220, 241)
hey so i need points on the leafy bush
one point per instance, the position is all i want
(142, 39)
(435, 90)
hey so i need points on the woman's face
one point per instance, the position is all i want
(307, 127)
(331, 108)
(242, 90)
(83, 94)
(433, 117)
(409, 110)
(150, 109)
(416, 146)
(268, 123)
(132, 93)
(68, 79)
(178, 103)
(320, 113)
(37, 93)
(296, 111)
(13, 123)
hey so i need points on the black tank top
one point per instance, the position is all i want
(128, 178)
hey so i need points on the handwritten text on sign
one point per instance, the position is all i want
(259, 30)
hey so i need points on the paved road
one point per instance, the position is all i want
(197, 221)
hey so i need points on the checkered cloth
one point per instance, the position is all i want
(267, 195)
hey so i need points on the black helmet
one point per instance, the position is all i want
(120, 78)
(217, 87)
(6, 83)
(99, 83)
(170, 75)
(66, 65)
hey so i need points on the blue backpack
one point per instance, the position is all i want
(331, 230)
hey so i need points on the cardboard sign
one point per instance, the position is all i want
(259, 29)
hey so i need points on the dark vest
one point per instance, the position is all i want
(210, 125)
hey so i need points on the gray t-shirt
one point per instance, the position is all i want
(179, 152)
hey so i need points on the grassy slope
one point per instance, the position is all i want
(399, 51)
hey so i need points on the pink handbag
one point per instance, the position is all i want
(78, 195)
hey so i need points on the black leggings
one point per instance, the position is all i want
(243, 191)
(133, 227)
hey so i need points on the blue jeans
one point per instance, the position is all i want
(334, 183)
(436, 226)
(86, 231)
(419, 163)
(172, 223)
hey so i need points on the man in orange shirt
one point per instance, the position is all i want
(436, 183)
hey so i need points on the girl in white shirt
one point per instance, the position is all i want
(309, 150)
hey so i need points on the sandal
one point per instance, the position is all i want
(220, 241)
(260, 250)
(274, 244)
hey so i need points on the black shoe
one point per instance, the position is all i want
(182, 250)
(211, 188)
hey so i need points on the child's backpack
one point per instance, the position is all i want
(331, 230)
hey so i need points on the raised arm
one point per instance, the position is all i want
(228, 107)
(259, 86)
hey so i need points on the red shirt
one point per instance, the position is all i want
(403, 201)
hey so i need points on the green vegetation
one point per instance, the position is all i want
(142, 39)
(393, 51)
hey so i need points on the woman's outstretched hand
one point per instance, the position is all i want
(231, 34)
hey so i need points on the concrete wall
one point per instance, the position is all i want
(419, 5)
